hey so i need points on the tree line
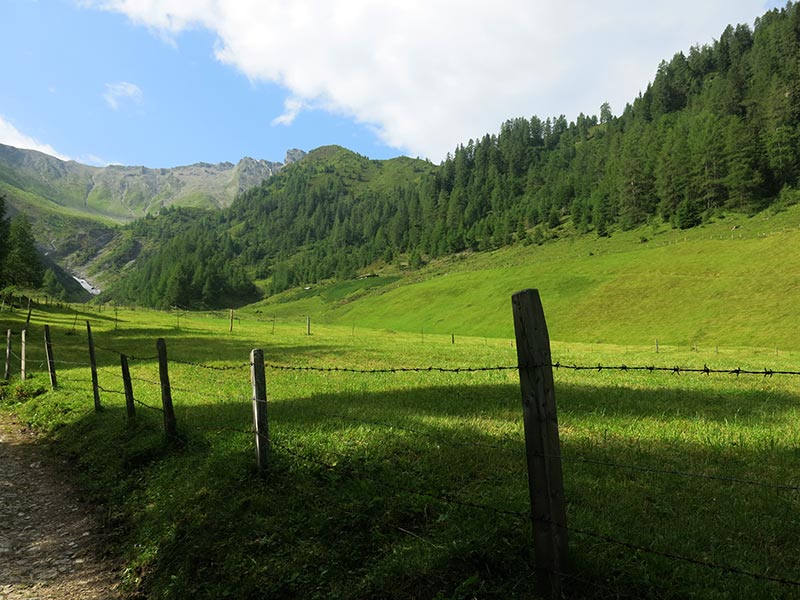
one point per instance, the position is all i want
(20, 264)
(716, 130)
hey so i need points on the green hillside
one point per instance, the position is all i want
(733, 282)
(716, 133)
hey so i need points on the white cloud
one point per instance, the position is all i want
(429, 74)
(94, 160)
(292, 108)
(116, 93)
(11, 136)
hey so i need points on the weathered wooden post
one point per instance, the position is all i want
(7, 373)
(51, 363)
(126, 384)
(93, 366)
(28, 318)
(260, 421)
(231, 321)
(542, 447)
(22, 336)
(308, 324)
(166, 391)
(452, 338)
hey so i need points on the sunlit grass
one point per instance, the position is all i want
(378, 479)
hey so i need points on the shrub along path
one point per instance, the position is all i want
(50, 541)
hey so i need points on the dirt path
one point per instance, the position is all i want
(49, 541)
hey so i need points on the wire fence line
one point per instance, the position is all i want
(676, 370)
(447, 497)
(557, 365)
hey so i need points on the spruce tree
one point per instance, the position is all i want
(22, 266)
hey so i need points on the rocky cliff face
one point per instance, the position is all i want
(124, 193)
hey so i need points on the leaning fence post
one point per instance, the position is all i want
(93, 365)
(166, 391)
(51, 363)
(22, 336)
(126, 384)
(8, 356)
(260, 421)
(542, 448)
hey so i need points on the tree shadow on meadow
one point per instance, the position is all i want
(447, 464)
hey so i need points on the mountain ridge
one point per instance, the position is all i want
(126, 192)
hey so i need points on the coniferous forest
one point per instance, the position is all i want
(718, 129)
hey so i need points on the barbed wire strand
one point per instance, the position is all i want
(148, 406)
(389, 370)
(130, 357)
(676, 370)
(727, 479)
(678, 557)
(238, 367)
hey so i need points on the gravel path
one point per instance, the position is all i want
(50, 542)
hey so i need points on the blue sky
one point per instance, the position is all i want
(163, 83)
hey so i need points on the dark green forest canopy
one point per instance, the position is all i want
(717, 129)
(20, 266)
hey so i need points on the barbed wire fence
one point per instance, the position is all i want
(551, 570)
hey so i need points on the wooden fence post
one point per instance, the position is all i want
(51, 363)
(22, 361)
(28, 318)
(93, 366)
(308, 324)
(126, 384)
(166, 391)
(542, 448)
(7, 374)
(260, 421)
(231, 321)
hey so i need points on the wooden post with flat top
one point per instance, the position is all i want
(51, 363)
(542, 447)
(260, 421)
(128, 387)
(93, 367)
(7, 373)
(22, 357)
(166, 390)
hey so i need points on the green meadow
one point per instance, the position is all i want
(413, 484)
(732, 282)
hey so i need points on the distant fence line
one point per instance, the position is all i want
(542, 446)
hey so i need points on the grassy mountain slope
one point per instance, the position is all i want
(732, 282)
(122, 193)
(290, 227)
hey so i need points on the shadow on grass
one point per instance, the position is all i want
(421, 493)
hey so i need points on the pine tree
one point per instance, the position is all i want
(3, 239)
(22, 265)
